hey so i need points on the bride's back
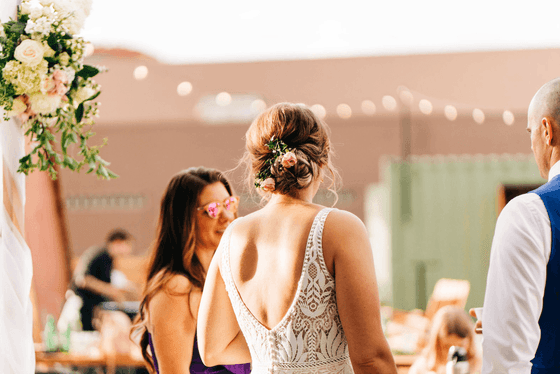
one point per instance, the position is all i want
(286, 304)
(267, 251)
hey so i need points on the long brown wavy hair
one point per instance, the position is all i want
(174, 248)
(450, 320)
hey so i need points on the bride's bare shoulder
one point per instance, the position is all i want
(341, 225)
(344, 218)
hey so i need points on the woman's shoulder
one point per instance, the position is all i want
(171, 295)
(343, 222)
(174, 284)
(343, 230)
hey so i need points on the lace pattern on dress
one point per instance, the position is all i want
(309, 338)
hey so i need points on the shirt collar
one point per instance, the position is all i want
(554, 170)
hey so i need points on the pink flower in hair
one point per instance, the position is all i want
(268, 185)
(289, 159)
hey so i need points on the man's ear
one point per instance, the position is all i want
(550, 129)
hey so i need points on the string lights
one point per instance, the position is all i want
(368, 107)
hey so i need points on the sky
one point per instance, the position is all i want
(212, 31)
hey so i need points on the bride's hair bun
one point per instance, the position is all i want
(297, 128)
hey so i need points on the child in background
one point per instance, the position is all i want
(451, 326)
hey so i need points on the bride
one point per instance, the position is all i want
(292, 286)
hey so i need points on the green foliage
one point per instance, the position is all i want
(88, 72)
(48, 152)
(60, 138)
(278, 148)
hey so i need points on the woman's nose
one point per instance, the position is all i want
(227, 215)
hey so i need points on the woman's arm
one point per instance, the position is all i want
(345, 238)
(220, 340)
(173, 326)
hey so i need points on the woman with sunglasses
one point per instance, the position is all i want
(293, 284)
(196, 209)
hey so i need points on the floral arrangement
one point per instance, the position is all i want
(280, 151)
(45, 84)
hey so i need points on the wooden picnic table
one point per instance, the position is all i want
(51, 359)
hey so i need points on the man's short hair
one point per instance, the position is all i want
(118, 234)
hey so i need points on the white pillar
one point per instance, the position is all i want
(17, 355)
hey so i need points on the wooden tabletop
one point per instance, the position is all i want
(404, 360)
(51, 358)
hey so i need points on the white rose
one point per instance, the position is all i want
(36, 13)
(82, 94)
(25, 8)
(18, 107)
(29, 52)
(47, 12)
(45, 3)
(75, 23)
(44, 103)
(63, 6)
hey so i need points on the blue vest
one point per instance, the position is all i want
(547, 357)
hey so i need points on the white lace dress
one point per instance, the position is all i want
(309, 339)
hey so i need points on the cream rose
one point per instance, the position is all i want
(289, 159)
(19, 106)
(83, 93)
(44, 103)
(25, 8)
(29, 52)
(268, 185)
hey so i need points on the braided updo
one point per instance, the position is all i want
(304, 134)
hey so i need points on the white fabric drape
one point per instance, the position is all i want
(17, 355)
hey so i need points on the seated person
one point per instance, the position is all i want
(92, 279)
(451, 326)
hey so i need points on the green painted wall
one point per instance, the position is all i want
(443, 214)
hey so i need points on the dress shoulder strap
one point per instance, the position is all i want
(316, 254)
(224, 260)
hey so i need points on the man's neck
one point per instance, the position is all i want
(554, 166)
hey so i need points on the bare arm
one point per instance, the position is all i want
(220, 340)
(173, 327)
(91, 283)
(345, 237)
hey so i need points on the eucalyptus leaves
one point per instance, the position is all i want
(280, 152)
(45, 84)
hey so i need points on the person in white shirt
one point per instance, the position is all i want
(521, 327)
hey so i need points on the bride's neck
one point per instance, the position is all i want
(304, 196)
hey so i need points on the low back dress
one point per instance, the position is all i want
(309, 338)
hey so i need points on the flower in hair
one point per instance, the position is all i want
(264, 179)
(268, 185)
(289, 159)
